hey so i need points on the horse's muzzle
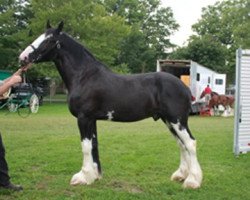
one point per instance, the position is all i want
(24, 62)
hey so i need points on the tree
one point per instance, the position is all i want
(204, 50)
(13, 18)
(228, 23)
(151, 27)
(135, 53)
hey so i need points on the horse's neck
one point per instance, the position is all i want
(65, 72)
(73, 60)
(70, 66)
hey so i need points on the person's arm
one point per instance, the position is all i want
(9, 82)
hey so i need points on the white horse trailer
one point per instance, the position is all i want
(242, 103)
(195, 76)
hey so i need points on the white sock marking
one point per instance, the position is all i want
(195, 174)
(89, 171)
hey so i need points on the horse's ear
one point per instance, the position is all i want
(60, 27)
(48, 24)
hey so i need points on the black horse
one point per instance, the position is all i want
(96, 93)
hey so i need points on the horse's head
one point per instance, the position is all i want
(202, 94)
(214, 94)
(43, 47)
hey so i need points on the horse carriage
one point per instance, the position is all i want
(22, 98)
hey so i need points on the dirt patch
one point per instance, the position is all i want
(43, 184)
(125, 186)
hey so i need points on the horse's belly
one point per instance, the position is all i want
(129, 117)
(130, 113)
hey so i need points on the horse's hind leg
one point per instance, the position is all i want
(189, 170)
(182, 172)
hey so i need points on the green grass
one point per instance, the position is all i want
(43, 152)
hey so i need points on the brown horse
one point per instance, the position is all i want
(227, 101)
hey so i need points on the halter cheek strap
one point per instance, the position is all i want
(34, 48)
(57, 44)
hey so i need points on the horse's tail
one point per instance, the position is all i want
(230, 100)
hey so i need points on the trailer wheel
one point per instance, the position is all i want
(34, 103)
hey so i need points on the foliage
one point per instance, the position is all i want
(14, 15)
(151, 27)
(43, 152)
(204, 50)
(136, 53)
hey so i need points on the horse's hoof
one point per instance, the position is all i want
(178, 176)
(192, 183)
(85, 177)
(78, 179)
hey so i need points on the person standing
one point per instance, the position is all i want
(4, 175)
(208, 93)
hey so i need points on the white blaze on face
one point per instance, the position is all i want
(35, 44)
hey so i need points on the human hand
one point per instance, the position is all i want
(26, 67)
(16, 77)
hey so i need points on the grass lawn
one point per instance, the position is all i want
(43, 152)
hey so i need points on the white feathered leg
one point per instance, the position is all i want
(89, 172)
(194, 178)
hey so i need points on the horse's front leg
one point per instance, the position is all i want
(95, 152)
(91, 169)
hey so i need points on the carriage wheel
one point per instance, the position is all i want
(12, 107)
(34, 103)
(23, 111)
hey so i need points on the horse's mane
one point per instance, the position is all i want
(75, 46)
(78, 50)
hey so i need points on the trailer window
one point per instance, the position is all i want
(219, 81)
(208, 80)
(198, 77)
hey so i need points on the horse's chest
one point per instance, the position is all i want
(82, 103)
(76, 103)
